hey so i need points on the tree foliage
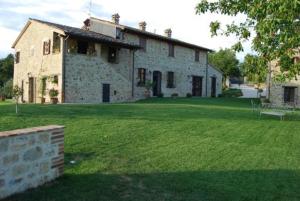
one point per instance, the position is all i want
(254, 68)
(274, 26)
(6, 69)
(226, 61)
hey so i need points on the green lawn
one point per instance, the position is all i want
(166, 149)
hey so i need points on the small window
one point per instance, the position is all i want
(82, 47)
(143, 43)
(17, 57)
(112, 55)
(197, 55)
(171, 50)
(141, 76)
(46, 47)
(56, 43)
(170, 80)
(119, 34)
(289, 94)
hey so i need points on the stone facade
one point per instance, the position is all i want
(277, 90)
(82, 76)
(30, 157)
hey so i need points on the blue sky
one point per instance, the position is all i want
(175, 14)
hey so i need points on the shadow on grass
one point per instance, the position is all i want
(252, 185)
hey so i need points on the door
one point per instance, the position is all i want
(31, 90)
(156, 83)
(106, 93)
(213, 86)
(197, 86)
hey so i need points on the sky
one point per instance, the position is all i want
(159, 15)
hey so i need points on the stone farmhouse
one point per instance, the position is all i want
(283, 94)
(108, 62)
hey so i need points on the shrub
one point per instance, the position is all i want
(232, 93)
(53, 93)
(160, 95)
(174, 95)
(8, 89)
(189, 95)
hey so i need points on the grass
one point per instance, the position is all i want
(168, 150)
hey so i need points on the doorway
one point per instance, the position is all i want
(213, 86)
(31, 90)
(156, 83)
(197, 86)
(105, 93)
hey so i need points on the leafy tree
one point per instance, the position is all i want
(226, 61)
(254, 68)
(17, 93)
(8, 88)
(274, 26)
(6, 69)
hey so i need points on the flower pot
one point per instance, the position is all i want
(43, 100)
(54, 100)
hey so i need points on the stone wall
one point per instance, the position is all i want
(30, 157)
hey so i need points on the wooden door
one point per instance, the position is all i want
(156, 83)
(213, 87)
(106, 93)
(197, 86)
(31, 90)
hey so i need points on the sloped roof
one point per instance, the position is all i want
(156, 36)
(90, 35)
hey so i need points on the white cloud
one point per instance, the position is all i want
(159, 15)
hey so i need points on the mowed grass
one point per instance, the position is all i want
(167, 150)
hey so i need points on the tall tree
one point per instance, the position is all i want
(226, 61)
(274, 25)
(254, 69)
(6, 69)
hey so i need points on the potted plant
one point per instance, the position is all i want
(148, 86)
(53, 93)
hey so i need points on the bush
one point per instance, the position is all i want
(174, 95)
(8, 89)
(189, 95)
(232, 93)
(160, 95)
(53, 93)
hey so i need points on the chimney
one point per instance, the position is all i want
(168, 33)
(142, 26)
(115, 18)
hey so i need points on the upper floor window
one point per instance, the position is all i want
(141, 76)
(56, 43)
(46, 47)
(112, 54)
(17, 57)
(197, 55)
(143, 43)
(119, 34)
(171, 50)
(170, 80)
(82, 47)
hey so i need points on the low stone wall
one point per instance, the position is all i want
(30, 157)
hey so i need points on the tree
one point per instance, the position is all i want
(6, 69)
(274, 26)
(17, 93)
(226, 61)
(254, 69)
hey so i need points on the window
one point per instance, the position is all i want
(197, 55)
(289, 94)
(46, 47)
(82, 47)
(170, 80)
(141, 76)
(17, 57)
(171, 50)
(112, 55)
(119, 34)
(143, 43)
(56, 43)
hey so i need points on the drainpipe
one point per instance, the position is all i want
(206, 77)
(64, 45)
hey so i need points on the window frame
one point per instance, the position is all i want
(47, 47)
(170, 79)
(287, 94)
(197, 55)
(56, 46)
(110, 58)
(141, 77)
(171, 49)
(17, 57)
(143, 43)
